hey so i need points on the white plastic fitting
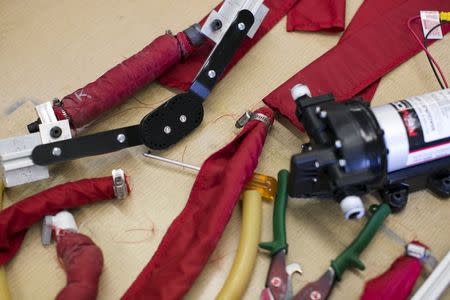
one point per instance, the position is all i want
(300, 90)
(62, 221)
(227, 14)
(352, 207)
(16, 164)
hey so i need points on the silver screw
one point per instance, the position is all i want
(323, 114)
(338, 144)
(167, 130)
(315, 295)
(318, 109)
(56, 151)
(342, 162)
(212, 74)
(183, 119)
(317, 164)
(241, 26)
(276, 282)
(121, 138)
(314, 180)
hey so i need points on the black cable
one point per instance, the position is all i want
(425, 43)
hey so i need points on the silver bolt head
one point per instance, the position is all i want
(338, 144)
(276, 282)
(167, 130)
(241, 26)
(323, 114)
(183, 119)
(342, 162)
(211, 74)
(316, 164)
(315, 295)
(121, 138)
(56, 151)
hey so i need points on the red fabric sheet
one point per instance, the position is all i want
(315, 15)
(376, 42)
(83, 262)
(118, 84)
(396, 283)
(193, 235)
(17, 218)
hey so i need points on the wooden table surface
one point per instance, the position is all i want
(50, 48)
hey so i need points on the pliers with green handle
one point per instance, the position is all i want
(278, 282)
(321, 288)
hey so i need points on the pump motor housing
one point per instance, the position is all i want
(394, 149)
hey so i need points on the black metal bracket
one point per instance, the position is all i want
(222, 55)
(95, 144)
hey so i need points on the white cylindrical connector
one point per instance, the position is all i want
(352, 207)
(64, 221)
(300, 90)
(61, 222)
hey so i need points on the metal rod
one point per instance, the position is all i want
(171, 161)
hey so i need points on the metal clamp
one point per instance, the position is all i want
(417, 250)
(249, 116)
(119, 184)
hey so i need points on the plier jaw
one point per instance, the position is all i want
(279, 278)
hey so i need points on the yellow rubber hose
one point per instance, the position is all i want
(244, 261)
(4, 290)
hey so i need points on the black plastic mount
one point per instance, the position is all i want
(195, 35)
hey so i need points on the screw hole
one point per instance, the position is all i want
(398, 195)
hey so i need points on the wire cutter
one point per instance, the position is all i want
(349, 258)
(279, 278)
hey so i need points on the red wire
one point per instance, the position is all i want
(425, 49)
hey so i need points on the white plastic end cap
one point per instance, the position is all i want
(64, 221)
(352, 207)
(300, 90)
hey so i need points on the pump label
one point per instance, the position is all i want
(427, 123)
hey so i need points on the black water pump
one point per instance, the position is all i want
(394, 149)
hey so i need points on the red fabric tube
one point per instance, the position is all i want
(368, 51)
(83, 262)
(315, 15)
(193, 235)
(118, 84)
(16, 219)
(396, 283)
